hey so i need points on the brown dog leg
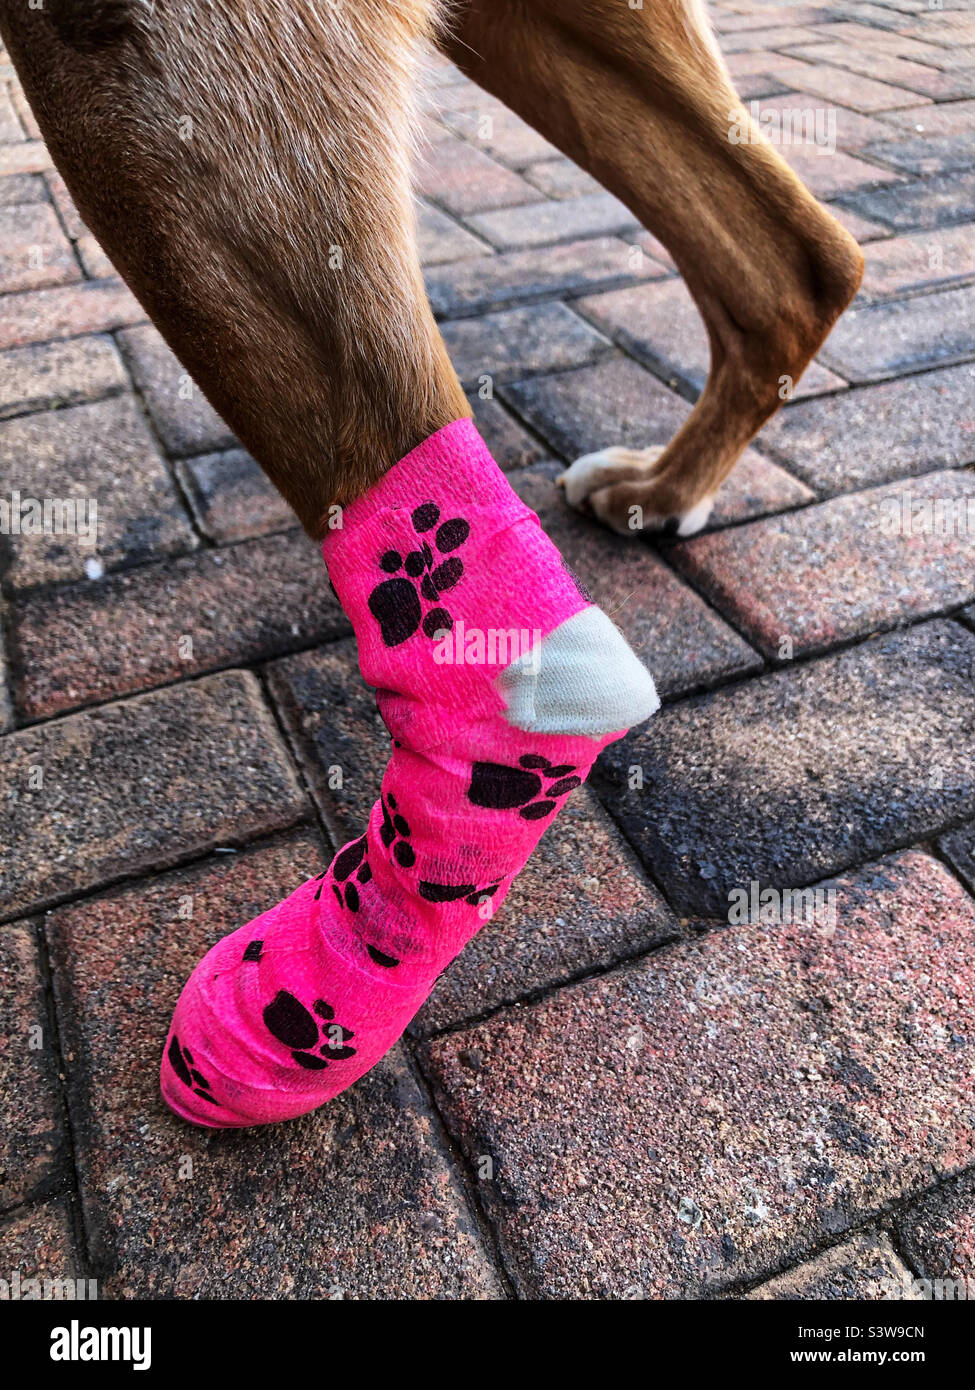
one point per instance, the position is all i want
(246, 166)
(641, 99)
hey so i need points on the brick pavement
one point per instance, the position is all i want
(623, 1088)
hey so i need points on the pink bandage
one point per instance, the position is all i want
(456, 596)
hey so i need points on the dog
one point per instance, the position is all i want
(247, 167)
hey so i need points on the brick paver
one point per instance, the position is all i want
(31, 1130)
(137, 784)
(645, 1096)
(61, 454)
(356, 1202)
(166, 621)
(704, 1116)
(845, 568)
(775, 781)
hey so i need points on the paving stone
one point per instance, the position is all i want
(97, 264)
(845, 88)
(6, 712)
(951, 118)
(511, 229)
(918, 261)
(511, 445)
(39, 1244)
(874, 341)
(709, 1114)
(60, 373)
(31, 1139)
(26, 115)
(562, 178)
(475, 286)
(660, 325)
(865, 1267)
(24, 157)
(799, 774)
(10, 128)
(959, 849)
(830, 174)
(22, 188)
(232, 497)
(463, 180)
(67, 454)
(163, 622)
(357, 1201)
(514, 342)
(891, 70)
(492, 127)
(784, 36)
(581, 903)
(935, 202)
(859, 227)
(36, 316)
(894, 430)
(185, 420)
(618, 402)
(440, 239)
(927, 154)
(65, 204)
(139, 784)
(938, 1237)
(844, 568)
(852, 129)
(35, 252)
(682, 642)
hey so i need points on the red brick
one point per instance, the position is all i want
(891, 70)
(231, 497)
(918, 261)
(561, 178)
(357, 1201)
(864, 1267)
(952, 118)
(853, 130)
(723, 1107)
(511, 446)
(183, 417)
(617, 402)
(25, 157)
(166, 621)
(938, 1235)
(463, 179)
(661, 326)
(36, 316)
(61, 373)
(494, 128)
(35, 250)
(22, 188)
(101, 451)
(440, 239)
(830, 174)
(932, 202)
(874, 341)
(840, 569)
(517, 342)
(512, 229)
(39, 1244)
(127, 787)
(31, 1140)
(845, 88)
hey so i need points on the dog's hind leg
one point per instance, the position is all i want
(641, 98)
(246, 167)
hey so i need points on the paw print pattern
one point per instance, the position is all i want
(411, 600)
(314, 1041)
(349, 861)
(395, 833)
(502, 788)
(451, 892)
(181, 1061)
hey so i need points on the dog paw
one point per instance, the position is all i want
(590, 487)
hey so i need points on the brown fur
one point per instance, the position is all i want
(300, 119)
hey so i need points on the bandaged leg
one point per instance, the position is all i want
(500, 682)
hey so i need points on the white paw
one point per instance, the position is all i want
(697, 518)
(594, 471)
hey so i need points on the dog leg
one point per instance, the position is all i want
(246, 166)
(641, 99)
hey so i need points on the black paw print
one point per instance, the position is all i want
(181, 1061)
(395, 832)
(349, 861)
(501, 788)
(453, 892)
(292, 1024)
(396, 603)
